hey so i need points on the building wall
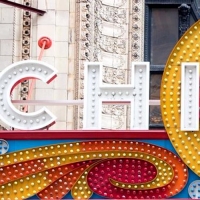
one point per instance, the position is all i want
(10, 39)
(17, 44)
(57, 24)
(6, 35)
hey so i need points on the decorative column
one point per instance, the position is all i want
(110, 32)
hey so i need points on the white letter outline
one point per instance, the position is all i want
(14, 74)
(137, 93)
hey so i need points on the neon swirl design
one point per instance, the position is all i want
(112, 169)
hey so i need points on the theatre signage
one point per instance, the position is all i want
(96, 93)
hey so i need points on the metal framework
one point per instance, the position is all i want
(31, 9)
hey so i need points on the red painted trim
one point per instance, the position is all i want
(86, 134)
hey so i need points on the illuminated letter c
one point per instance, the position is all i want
(14, 74)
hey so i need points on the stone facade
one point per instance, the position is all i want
(58, 24)
(110, 32)
(10, 40)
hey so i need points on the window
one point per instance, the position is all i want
(164, 33)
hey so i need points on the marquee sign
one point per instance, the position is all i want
(180, 97)
(136, 93)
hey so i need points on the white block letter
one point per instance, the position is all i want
(137, 93)
(190, 96)
(14, 74)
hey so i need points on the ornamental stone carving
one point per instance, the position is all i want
(184, 18)
(110, 32)
(26, 34)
